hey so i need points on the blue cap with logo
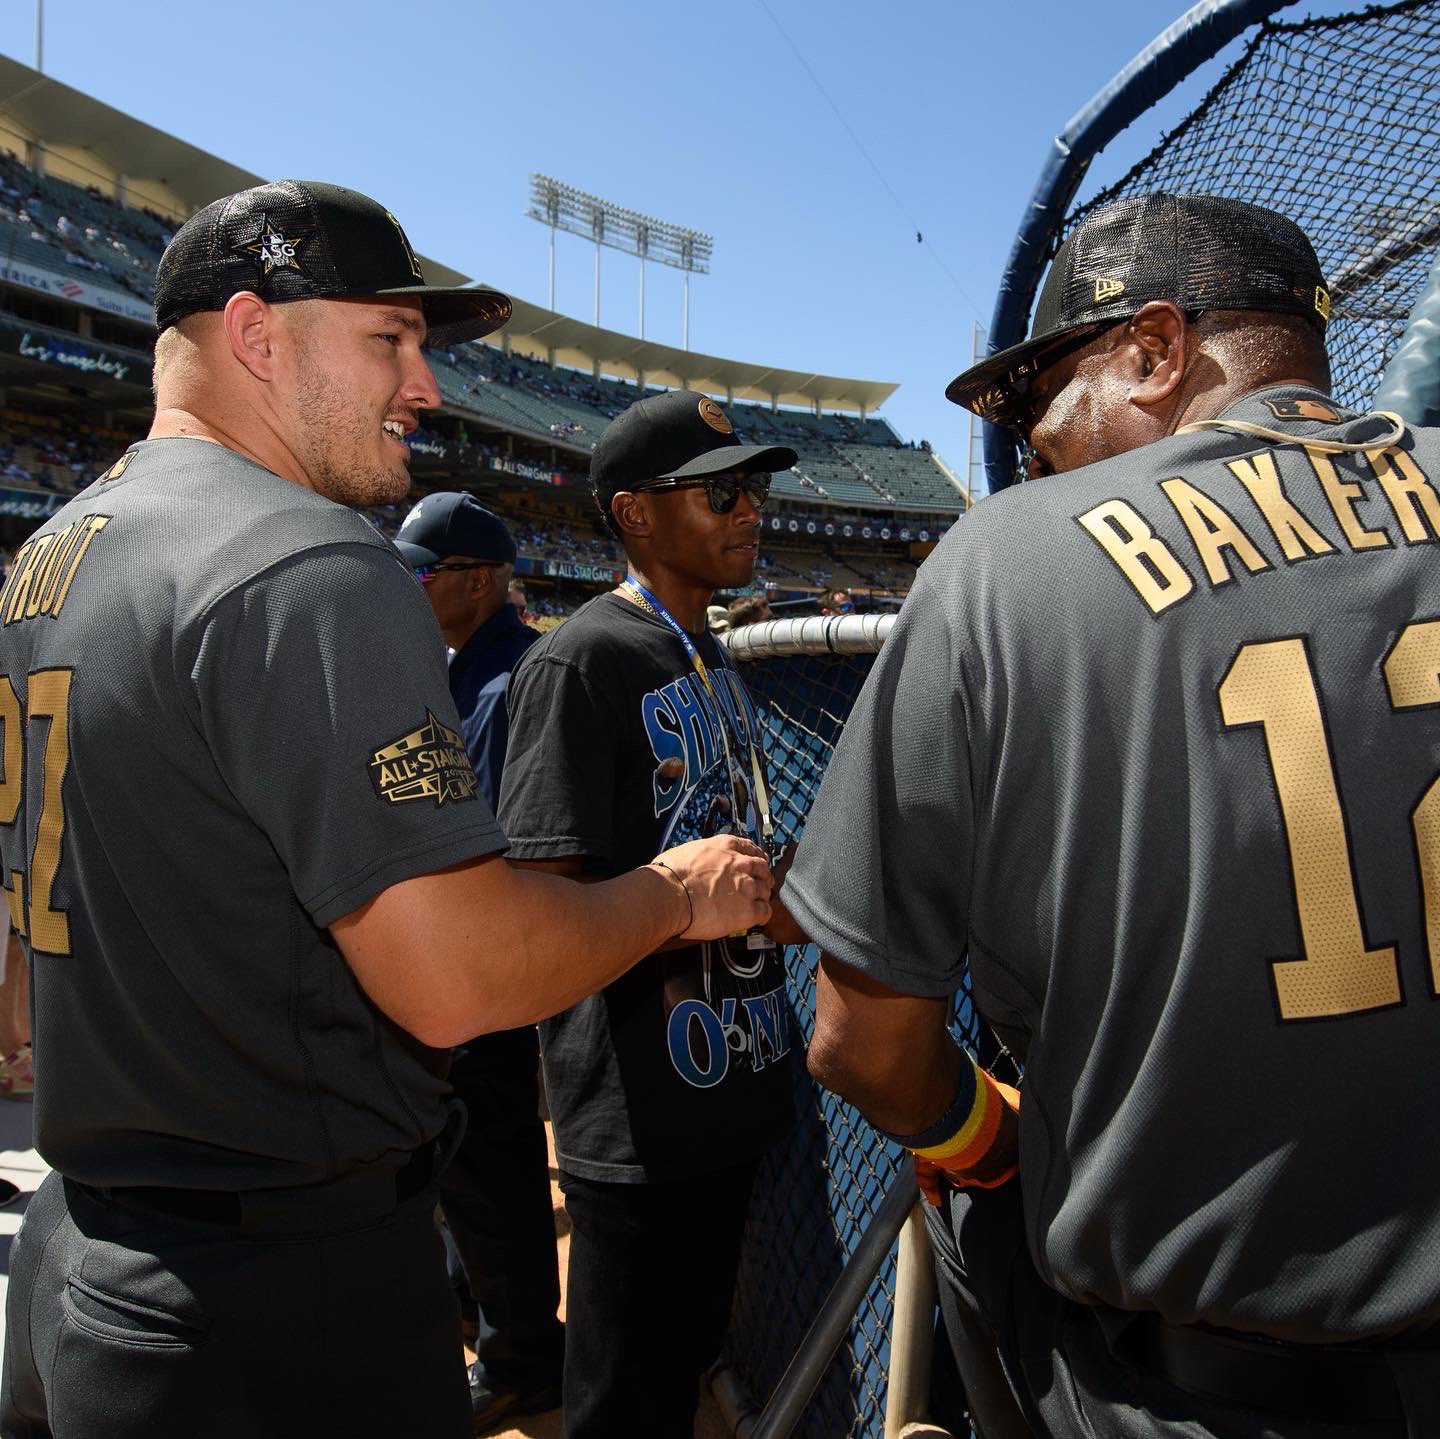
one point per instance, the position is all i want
(451, 522)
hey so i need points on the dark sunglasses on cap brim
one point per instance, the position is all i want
(723, 491)
(425, 573)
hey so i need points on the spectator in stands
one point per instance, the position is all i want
(495, 1194)
(516, 597)
(749, 610)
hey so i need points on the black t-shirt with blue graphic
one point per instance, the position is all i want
(682, 1065)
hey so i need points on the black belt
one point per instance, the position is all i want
(1341, 1383)
(353, 1198)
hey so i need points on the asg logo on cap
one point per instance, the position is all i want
(275, 250)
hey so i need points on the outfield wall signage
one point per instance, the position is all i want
(569, 570)
(526, 471)
(574, 570)
(27, 505)
(67, 287)
(77, 354)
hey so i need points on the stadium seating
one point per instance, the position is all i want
(56, 225)
(41, 453)
(848, 467)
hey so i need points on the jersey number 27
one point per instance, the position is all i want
(28, 891)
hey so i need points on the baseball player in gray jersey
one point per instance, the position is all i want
(259, 893)
(1156, 743)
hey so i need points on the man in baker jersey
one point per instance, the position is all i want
(1155, 742)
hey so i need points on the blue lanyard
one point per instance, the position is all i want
(656, 608)
(650, 602)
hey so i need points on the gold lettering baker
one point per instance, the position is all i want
(1225, 546)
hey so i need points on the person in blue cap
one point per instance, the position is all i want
(495, 1194)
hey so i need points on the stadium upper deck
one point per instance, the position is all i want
(81, 231)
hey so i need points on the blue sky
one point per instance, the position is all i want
(703, 116)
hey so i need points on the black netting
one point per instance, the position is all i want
(1334, 123)
(816, 1195)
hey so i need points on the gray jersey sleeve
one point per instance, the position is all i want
(320, 687)
(882, 876)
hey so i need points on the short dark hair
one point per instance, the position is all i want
(1268, 342)
(746, 610)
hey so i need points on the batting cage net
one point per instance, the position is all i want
(818, 1192)
(1333, 122)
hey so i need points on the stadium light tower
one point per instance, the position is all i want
(563, 207)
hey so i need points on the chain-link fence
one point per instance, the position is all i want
(817, 1193)
(1333, 122)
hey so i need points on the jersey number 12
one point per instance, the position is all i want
(1273, 684)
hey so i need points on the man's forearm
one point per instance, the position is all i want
(489, 945)
(892, 1056)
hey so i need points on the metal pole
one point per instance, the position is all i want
(552, 267)
(970, 416)
(686, 335)
(40, 35)
(597, 284)
(642, 297)
(828, 1328)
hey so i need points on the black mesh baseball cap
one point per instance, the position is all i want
(679, 435)
(1201, 252)
(305, 240)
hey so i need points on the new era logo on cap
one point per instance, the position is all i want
(1200, 252)
(304, 240)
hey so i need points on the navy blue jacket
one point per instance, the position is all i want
(479, 674)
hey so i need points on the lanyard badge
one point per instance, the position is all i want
(755, 939)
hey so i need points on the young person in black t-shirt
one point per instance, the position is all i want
(628, 731)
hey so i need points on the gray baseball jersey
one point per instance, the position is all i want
(1157, 743)
(226, 724)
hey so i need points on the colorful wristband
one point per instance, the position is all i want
(959, 1119)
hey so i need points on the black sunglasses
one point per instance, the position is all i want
(425, 573)
(723, 491)
(1021, 386)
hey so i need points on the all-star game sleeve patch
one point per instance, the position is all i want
(427, 763)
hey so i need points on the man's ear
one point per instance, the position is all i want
(1157, 350)
(632, 514)
(249, 325)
